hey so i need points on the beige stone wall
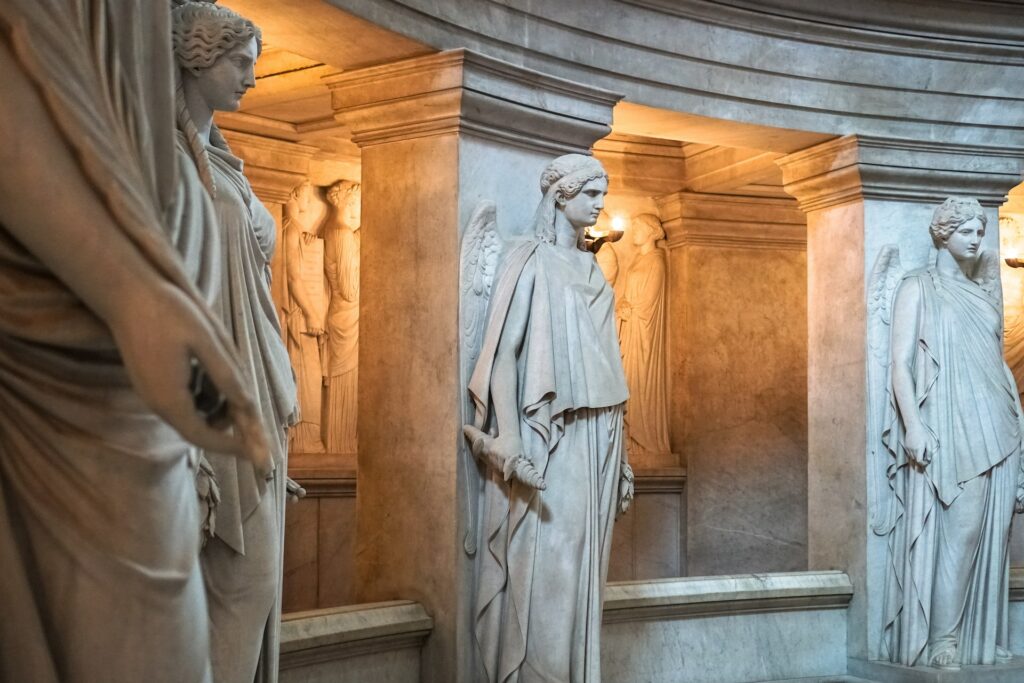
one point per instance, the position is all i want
(738, 363)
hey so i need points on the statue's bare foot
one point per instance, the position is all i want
(946, 658)
(1003, 656)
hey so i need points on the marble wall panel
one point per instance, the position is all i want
(739, 318)
(300, 555)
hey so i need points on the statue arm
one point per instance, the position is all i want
(918, 441)
(296, 288)
(157, 328)
(505, 375)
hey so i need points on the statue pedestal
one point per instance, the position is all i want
(884, 672)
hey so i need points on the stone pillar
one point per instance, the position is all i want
(860, 194)
(438, 134)
(737, 312)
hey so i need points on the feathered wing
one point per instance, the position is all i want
(482, 246)
(986, 274)
(881, 293)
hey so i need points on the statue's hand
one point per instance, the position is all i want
(313, 328)
(163, 337)
(624, 311)
(504, 454)
(625, 489)
(294, 491)
(1019, 505)
(309, 238)
(919, 444)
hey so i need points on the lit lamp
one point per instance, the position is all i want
(595, 237)
(1010, 236)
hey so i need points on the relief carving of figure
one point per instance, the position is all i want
(547, 396)
(216, 51)
(341, 368)
(307, 295)
(102, 323)
(641, 314)
(948, 423)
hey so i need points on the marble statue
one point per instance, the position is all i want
(341, 367)
(547, 393)
(608, 262)
(216, 51)
(641, 315)
(107, 343)
(307, 310)
(948, 424)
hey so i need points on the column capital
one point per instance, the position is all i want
(703, 219)
(855, 168)
(273, 167)
(460, 91)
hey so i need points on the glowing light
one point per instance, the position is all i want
(618, 224)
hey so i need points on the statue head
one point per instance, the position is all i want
(574, 184)
(958, 225)
(344, 196)
(301, 197)
(216, 50)
(647, 228)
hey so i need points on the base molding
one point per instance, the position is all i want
(886, 672)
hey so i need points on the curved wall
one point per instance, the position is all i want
(904, 72)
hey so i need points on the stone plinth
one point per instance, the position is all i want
(883, 672)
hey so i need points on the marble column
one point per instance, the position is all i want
(859, 194)
(438, 134)
(738, 411)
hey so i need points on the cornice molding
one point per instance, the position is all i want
(462, 91)
(854, 168)
(732, 222)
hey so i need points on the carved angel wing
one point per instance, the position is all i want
(481, 250)
(881, 293)
(986, 273)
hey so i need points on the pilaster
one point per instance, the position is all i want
(859, 195)
(438, 134)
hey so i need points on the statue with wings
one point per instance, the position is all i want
(944, 446)
(546, 460)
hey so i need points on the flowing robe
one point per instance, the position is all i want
(968, 401)
(642, 336)
(543, 555)
(341, 369)
(243, 574)
(98, 514)
(304, 349)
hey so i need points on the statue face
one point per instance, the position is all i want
(223, 84)
(964, 243)
(641, 233)
(352, 213)
(584, 209)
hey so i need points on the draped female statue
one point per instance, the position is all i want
(341, 367)
(216, 51)
(307, 296)
(101, 325)
(548, 379)
(641, 314)
(951, 437)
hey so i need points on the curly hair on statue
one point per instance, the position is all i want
(564, 177)
(953, 213)
(202, 32)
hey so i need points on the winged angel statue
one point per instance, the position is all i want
(546, 466)
(944, 443)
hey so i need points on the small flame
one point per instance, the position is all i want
(618, 224)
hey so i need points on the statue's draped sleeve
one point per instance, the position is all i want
(97, 506)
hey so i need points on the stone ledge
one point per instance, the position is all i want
(719, 595)
(338, 633)
(884, 672)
